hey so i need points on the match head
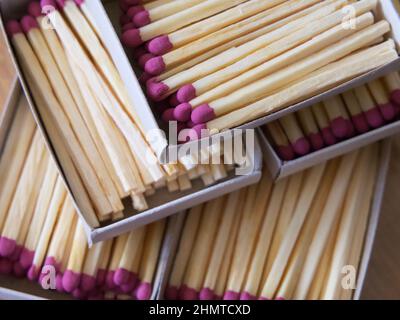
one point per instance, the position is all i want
(33, 273)
(340, 128)
(127, 26)
(7, 247)
(45, 4)
(171, 293)
(131, 38)
(79, 294)
(203, 114)
(6, 266)
(302, 147)
(132, 11)
(160, 45)
(130, 285)
(351, 129)
(144, 78)
(231, 296)
(286, 153)
(101, 277)
(34, 9)
(109, 282)
(168, 115)
(26, 258)
(155, 66)
(329, 137)
(388, 111)
(28, 23)
(141, 19)
(247, 296)
(13, 27)
(17, 253)
(59, 285)
(70, 281)
(143, 291)
(395, 96)
(317, 142)
(173, 100)
(121, 276)
(51, 261)
(186, 93)
(206, 294)
(18, 270)
(61, 3)
(190, 124)
(144, 58)
(131, 2)
(360, 123)
(156, 90)
(183, 112)
(199, 131)
(186, 293)
(374, 118)
(88, 283)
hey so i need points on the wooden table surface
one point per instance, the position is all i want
(383, 278)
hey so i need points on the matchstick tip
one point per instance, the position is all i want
(33, 273)
(156, 90)
(131, 284)
(61, 3)
(48, 4)
(203, 114)
(190, 124)
(141, 19)
(144, 58)
(247, 296)
(6, 266)
(18, 270)
(155, 66)
(317, 142)
(186, 93)
(34, 9)
(132, 11)
(302, 146)
(388, 111)
(168, 115)
(329, 137)
(360, 123)
(340, 128)
(121, 276)
(109, 281)
(143, 291)
(206, 294)
(59, 285)
(127, 26)
(70, 281)
(263, 299)
(88, 283)
(144, 78)
(51, 261)
(395, 96)
(79, 294)
(171, 293)
(139, 51)
(160, 45)
(101, 277)
(183, 112)
(199, 131)
(186, 293)
(173, 100)
(7, 247)
(131, 38)
(286, 153)
(26, 258)
(374, 118)
(28, 23)
(231, 296)
(13, 27)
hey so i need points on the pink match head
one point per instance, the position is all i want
(88, 283)
(317, 142)
(141, 19)
(160, 45)
(360, 123)
(206, 294)
(143, 291)
(155, 66)
(171, 293)
(61, 3)
(156, 90)
(59, 285)
(17, 253)
(352, 130)
(186, 293)
(198, 131)
(302, 146)
(18, 270)
(121, 276)
(123, 6)
(101, 277)
(70, 280)
(26, 258)
(139, 51)
(34, 9)
(127, 26)
(374, 118)
(79, 2)
(144, 77)
(132, 11)
(130, 285)
(203, 114)
(131, 38)
(33, 273)
(388, 111)
(263, 299)
(247, 296)
(168, 115)
(328, 136)
(286, 153)
(395, 96)
(48, 4)
(79, 294)
(110, 280)
(13, 27)
(7, 247)
(6, 266)
(190, 124)
(51, 261)
(173, 100)
(131, 2)
(231, 296)
(183, 112)
(28, 23)
(186, 93)
(340, 128)
(144, 58)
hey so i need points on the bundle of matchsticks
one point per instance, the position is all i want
(40, 229)
(217, 64)
(288, 240)
(91, 121)
(339, 118)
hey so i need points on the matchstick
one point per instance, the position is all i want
(339, 119)
(102, 269)
(330, 213)
(117, 250)
(371, 110)
(299, 142)
(151, 254)
(91, 266)
(392, 81)
(310, 128)
(318, 111)
(186, 245)
(281, 142)
(313, 83)
(197, 266)
(381, 97)
(135, 37)
(357, 116)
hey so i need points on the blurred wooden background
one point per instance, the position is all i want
(383, 278)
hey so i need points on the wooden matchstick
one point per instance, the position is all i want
(382, 98)
(115, 258)
(295, 135)
(371, 110)
(339, 119)
(310, 128)
(281, 142)
(392, 81)
(91, 266)
(357, 116)
(318, 111)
